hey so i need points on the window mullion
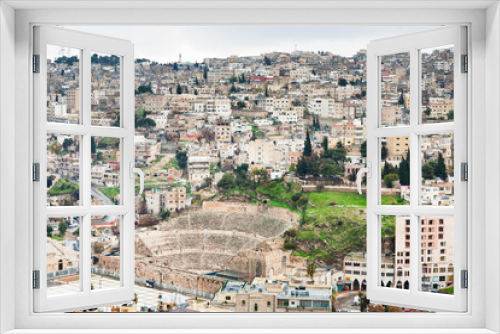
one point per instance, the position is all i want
(414, 169)
(85, 242)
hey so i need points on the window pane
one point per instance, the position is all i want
(63, 255)
(395, 89)
(105, 90)
(437, 254)
(395, 170)
(63, 170)
(395, 252)
(63, 84)
(437, 84)
(105, 170)
(437, 169)
(105, 252)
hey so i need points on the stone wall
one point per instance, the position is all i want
(147, 268)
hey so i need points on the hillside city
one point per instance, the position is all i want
(250, 201)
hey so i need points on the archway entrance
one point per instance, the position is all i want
(355, 285)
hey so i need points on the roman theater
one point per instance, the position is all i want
(198, 251)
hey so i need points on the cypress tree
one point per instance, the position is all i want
(324, 144)
(307, 146)
(404, 172)
(440, 170)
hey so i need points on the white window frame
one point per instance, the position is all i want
(87, 44)
(413, 44)
(483, 20)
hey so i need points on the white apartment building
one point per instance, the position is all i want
(198, 168)
(326, 107)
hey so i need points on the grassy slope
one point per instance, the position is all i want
(110, 192)
(336, 225)
(63, 187)
(335, 221)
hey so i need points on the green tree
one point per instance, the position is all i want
(233, 79)
(404, 170)
(363, 302)
(352, 177)
(384, 152)
(302, 168)
(331, 169)
(241, 104)
(145, 122)
(337, 154)
(227, 182)
(388, 169)
(324, 144)
(205, 72)
(49, 231)
(179, 89)
(362, 149)
(427, 111)
(241, 171)
(66, 143)
(181, 157)
(342, 82)
(428, 171)
(165, 214)
(307, 146)
(389, 180)
(144, 89)
(62, 227)
(451, 114)
(311, 269)
(176, 67)
(440, 170)
(93, 146)
(267, 61)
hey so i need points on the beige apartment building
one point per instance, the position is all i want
(173, 199)
(356, 275)
(397, 147)
(198, 168)
(223, 134)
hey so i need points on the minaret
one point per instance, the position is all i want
(180, 58)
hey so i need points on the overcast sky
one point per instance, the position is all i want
(164, 43)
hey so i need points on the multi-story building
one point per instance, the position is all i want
(437, 249)
(172, 199)
(198, 168)
(274, 294)
(223, 133)
(356, 275)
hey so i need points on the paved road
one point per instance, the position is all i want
(105, 201)
(345, 300)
